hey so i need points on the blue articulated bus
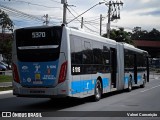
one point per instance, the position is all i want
(58, 61)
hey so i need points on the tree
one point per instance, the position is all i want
(5, 39)
(154, 34)
(5, 21)
(6, 48)
(120, 35)
(139, 34)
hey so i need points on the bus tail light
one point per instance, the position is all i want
(15, 73)
(63, 72)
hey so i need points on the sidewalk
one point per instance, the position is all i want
(8, 72)
(5, 84)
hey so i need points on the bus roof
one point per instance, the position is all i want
(82, 33)
(133, 48)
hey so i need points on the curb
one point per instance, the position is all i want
(5, 84)
(6, 92)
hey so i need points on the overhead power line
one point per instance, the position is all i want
(20, 12)
(86, 11)
(29, 3)
(55, 1)
(83, 24)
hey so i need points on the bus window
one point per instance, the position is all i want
(37, 45)
(106, 56)
(128, 61)
(87, 52)
(97, 53)
(76, 50)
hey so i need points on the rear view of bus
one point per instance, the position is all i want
(39, 64)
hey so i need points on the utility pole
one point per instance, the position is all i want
(109, 17)
(100, 25)
(82, 23)
(46, 19)
(113, 13)
(64, 2)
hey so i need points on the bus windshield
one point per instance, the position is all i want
(38, 44)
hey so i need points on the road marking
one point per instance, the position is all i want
(150, 88)
(156, 78)
(6, 92)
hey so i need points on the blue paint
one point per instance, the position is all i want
(81, 86)
(105, 82)
(139, 78)
(77, 87)
(38, 73)
(126, 79)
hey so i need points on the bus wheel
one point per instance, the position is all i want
(144, 82)
(98, 91)
(129, 89)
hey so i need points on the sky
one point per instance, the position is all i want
(133, 13)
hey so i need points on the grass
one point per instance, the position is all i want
(6, 88)
(5, 78)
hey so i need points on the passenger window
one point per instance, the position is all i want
(97, 53)
(76, 50)
(106, 55)
(87, 53)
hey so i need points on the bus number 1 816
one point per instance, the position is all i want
(76, 69)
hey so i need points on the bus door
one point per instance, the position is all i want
(135, 68)
(147, 68)
(113, 67)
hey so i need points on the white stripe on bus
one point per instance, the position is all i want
(38, 47)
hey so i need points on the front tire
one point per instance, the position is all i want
(98, 91)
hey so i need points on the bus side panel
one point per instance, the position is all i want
(83, 85)
(63, 88)
(83, 79)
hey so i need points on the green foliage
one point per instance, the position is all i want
(5, 21)
(120, 36)
(5, 39)
(139, 34)
(6, 48)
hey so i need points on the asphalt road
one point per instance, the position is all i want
(138, 100)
